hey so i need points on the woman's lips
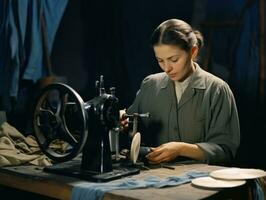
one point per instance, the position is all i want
(171, 75)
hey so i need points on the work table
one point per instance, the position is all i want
(33, 179)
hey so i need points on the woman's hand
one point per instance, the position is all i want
(123, 120)
(165, 152)
(171, 150)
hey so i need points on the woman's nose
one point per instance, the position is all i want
(168, 67)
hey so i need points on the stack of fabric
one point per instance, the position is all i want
(16, 149)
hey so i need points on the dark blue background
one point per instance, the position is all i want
(111, 38)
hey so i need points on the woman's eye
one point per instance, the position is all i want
(174, 60)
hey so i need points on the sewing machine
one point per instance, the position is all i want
(76, 134)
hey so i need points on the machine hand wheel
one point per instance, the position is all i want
(59, 122)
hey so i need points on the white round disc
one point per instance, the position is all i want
(135, 146)
(209, 182)
(238, 173)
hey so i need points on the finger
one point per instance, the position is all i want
(151, 162)
(122, 114)
(160, 158)
(159, 161)
(166, 159)
(157, 148)
(154, 153)
(124, 122)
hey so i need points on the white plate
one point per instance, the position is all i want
(237, 173)
(209, 182)
(135, 146)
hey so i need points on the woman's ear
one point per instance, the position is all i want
(194, 52)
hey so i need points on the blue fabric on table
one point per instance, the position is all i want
(93, 191)
(257, 190)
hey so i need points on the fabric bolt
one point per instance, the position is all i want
(96, 191)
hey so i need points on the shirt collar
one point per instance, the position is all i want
(197, 80)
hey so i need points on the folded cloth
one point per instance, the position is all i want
(96, 191)
(16, 149)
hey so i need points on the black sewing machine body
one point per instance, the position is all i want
(61, 116)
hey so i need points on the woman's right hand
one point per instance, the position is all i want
(123, 120)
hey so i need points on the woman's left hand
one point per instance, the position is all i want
(165, 152)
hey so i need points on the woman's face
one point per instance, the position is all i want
(177, 63)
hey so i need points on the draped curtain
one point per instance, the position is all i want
(21, 45)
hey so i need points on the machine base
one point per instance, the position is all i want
(73, 168)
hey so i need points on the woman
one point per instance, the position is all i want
(192, 112)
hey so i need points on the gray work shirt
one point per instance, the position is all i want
(206, 114)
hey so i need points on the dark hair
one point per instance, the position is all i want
(177, 32)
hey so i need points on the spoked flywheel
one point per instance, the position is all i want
(59, 122)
